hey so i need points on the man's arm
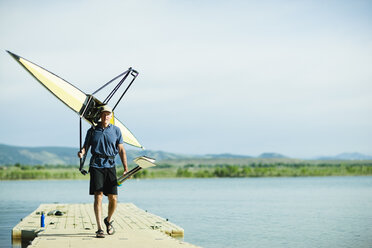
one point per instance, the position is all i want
(123, 157)
(81, 153)
(86, 145)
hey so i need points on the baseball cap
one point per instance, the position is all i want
(106, 108)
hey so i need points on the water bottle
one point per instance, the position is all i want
(42, 224)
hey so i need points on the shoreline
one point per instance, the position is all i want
(28, 172)
(185, 178)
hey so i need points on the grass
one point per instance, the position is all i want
(256, 168)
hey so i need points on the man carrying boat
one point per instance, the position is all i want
(106, 142)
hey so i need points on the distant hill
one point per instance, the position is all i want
(37, 155)
(271, 155)
(223, 155)
(64, 155)
(346, 156)
(67, 156)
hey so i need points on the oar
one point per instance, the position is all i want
(123, 178)
(142, 163)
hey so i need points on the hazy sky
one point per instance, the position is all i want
(242, 77)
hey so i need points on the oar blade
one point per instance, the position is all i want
(145, 162)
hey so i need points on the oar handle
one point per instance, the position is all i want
(122, 178)
(82, 160)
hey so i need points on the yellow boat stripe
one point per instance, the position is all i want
(128, 137)
(69, 94)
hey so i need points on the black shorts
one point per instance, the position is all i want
(103, 180)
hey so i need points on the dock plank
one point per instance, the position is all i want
(77, 226)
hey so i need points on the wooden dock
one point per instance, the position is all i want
(76, 227)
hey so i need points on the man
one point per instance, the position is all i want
(106, 141)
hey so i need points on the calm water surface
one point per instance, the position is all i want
(249, 212)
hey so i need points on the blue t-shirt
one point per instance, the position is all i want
(104, 145)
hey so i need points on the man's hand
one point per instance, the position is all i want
(81, 153)
(126, 172)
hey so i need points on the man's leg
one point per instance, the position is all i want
(113, 199)
(98, 208)
(111, 190)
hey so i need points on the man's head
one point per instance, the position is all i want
(106, 115)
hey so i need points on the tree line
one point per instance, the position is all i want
(40, 172)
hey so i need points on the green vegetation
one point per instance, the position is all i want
(277, 171)
(21, 172)
(189, 170)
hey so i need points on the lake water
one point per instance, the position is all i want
(247, 212)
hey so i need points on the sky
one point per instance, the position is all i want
(241, 77)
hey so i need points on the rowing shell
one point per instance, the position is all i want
(81, 103)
